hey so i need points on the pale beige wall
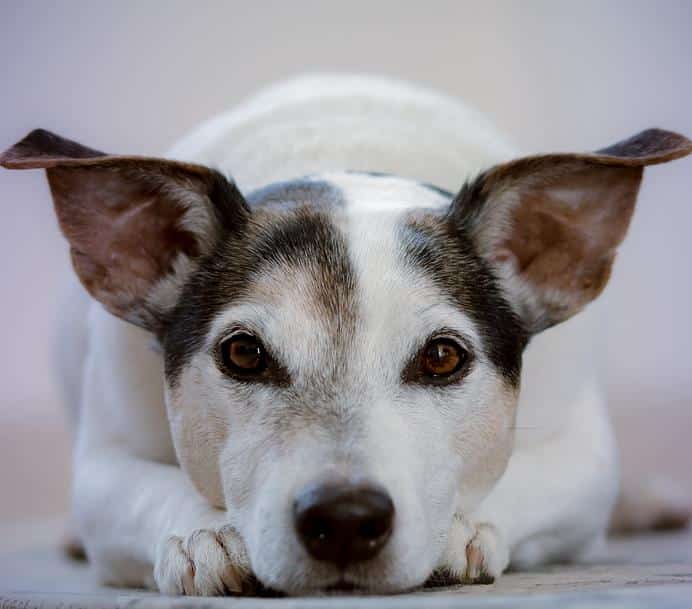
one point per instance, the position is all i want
(133, 76)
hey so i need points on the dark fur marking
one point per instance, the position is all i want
(380, 174)
(292, 231)
(440, 191)
(296, 193)
(649, 146)
(433, 243)
(468, 203)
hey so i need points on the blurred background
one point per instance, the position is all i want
(133, 77)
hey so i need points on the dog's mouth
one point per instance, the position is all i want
(438, 579)
(441, 579)
(338, 588)
(343, 587)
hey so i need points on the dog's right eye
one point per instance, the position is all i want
(242, 354)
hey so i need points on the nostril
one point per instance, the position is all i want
(343, 522)
(315, 529)
(373, 528)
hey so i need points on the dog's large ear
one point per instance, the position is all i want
(136, 226)
(550, 225)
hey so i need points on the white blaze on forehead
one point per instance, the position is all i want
(366, 192)
(399, 305)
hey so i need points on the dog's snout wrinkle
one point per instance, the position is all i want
(343, 522)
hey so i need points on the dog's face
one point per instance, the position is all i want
(343, 352)
(347, 335)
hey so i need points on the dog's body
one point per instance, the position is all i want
(464, 506)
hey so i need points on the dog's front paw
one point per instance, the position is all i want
(475, 554)
(206, 563)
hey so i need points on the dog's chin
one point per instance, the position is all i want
(340, 587)
(343, 585)
(442, 579)
(385, 574)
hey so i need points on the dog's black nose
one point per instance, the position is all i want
(342, 522)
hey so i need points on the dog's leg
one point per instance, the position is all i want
(144, 525)
(136, 511)
(70, 346)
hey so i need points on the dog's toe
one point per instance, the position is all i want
(173, 571)
(487, 555)
(475, 554)
(206, 563)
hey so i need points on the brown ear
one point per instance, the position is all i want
(136, 226)
(550, 225)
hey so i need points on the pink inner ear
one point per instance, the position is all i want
(559, 253)
(554, 221)
(564, 230)
(125, 233)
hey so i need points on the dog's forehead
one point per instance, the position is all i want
(332, 271)
(334, 260)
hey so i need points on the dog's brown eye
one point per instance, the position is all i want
(243, 354)
(442, 357)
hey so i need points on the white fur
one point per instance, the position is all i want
(130, 494)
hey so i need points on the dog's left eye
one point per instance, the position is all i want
(441, 361)
(441, 357)
(242, 354)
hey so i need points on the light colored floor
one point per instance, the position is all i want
(653, 572)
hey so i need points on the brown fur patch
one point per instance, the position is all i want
(569, 249)
(124, 235)
(558, 219)
(124, 216)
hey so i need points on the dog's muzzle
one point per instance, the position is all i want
(342, 522)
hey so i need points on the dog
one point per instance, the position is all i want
(309, 377)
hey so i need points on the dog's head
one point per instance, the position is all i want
(343, 352)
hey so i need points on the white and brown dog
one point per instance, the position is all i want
(314, 383)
